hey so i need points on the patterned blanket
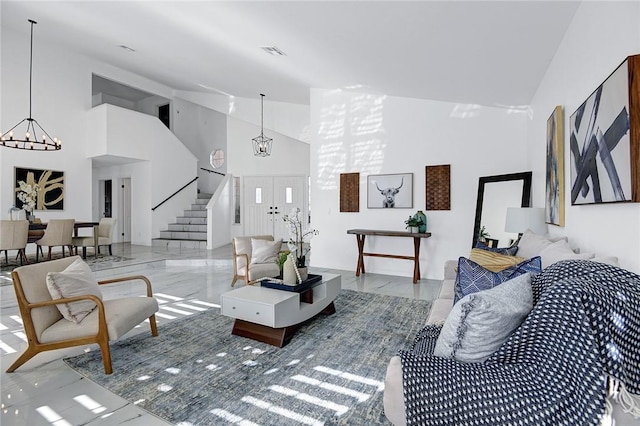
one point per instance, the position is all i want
(557, 368)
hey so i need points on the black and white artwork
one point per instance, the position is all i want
(600, 144)
(390, 191)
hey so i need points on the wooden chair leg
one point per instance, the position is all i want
(154, 327)
(23, 257)
(110, 252)
(6, 256)
(106, 356)
(84, 252)
(29, 353)
(50, 252)
(235, 278)
(38, 249)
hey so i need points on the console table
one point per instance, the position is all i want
(417, 237)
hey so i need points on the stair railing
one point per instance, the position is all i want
(172, 195)
(212, 171)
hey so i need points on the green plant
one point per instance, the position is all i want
(282, 258)
(482, 234)
(413, 222)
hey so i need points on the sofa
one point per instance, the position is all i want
(395, 399)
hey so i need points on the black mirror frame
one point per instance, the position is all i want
(526, 196)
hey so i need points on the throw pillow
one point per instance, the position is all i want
(472, 277)
(76, 280)
(481, 322)
(560, 250)
(265, 251)
(609, 260)
(509, 251)
(531, 244)
(494, 261)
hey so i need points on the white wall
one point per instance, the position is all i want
(284, 118)
(201, 129)
(61, 95)
(373, 134)
(61, 101)
(601, 35)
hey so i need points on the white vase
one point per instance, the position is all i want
(289, 272)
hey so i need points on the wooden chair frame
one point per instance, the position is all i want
(101, 338)
(236, 277)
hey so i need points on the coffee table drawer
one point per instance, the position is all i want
(259, 313)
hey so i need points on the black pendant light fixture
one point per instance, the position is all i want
(35, 137)
(262, 144)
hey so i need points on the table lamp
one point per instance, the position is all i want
(519, 219)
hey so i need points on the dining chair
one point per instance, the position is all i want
(13, 236)
(105, 238)
(59, 232)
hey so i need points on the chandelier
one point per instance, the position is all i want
(262, 144)
(31, 141)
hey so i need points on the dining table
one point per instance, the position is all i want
(41, 226)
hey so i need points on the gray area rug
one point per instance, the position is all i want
(93, 262)
(332, 372)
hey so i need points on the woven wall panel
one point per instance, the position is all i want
(438, 187)
(349, 192)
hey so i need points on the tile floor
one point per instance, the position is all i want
(44, 391)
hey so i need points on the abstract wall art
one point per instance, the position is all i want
(390, 191)
(554, 188)
(605, 140)
(50, 187)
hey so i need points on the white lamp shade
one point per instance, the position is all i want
(519, 219)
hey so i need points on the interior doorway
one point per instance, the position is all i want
(164, 114)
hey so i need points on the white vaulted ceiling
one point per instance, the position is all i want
(479, 52)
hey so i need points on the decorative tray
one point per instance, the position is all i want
(277, 284)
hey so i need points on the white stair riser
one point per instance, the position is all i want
(179, 227)
(195, 213)
(198, 236)
(191, 220)
(159, 242)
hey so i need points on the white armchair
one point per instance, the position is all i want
(249, 267)
(46, 327)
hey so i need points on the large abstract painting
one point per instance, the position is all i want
(390, 191)
(48, 186)
(604, 140)
(554, 202)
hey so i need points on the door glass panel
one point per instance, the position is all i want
(236, 199)
(258, 195)
(288, 195)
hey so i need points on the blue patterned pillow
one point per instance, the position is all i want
(509, 251)
(472, 277)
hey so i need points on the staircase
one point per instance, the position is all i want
(190, 230)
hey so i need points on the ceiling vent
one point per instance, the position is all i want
(272, 50)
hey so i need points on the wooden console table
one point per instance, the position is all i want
(362, 233)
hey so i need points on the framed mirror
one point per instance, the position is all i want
(495, 195)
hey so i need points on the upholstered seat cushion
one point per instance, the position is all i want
(135, 310)
(261, 270)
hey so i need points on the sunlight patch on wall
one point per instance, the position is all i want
(356, 123)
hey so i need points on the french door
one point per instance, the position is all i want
(267, 199)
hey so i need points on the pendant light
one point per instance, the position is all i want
(35, 137)
(262, 144)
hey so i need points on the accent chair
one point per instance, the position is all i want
(46, 327)
(244, 265)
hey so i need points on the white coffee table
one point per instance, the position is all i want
(272, 316)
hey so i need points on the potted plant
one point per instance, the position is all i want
(483, 234)
(413, 224)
